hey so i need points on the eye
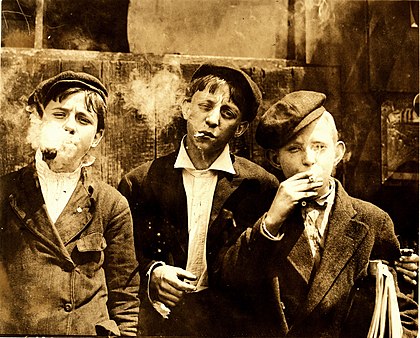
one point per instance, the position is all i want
(319, 147)
(205, 106)
(293, 148)
(84, 119)
(229, 114)
(59, 114)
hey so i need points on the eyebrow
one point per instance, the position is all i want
(85, 112)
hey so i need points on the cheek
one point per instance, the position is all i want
(289, 165)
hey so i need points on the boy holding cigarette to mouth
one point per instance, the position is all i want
(304, 268)
(67, 260)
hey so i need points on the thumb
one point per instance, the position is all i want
(184, 274)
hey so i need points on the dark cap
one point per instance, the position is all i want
(71, 79)
(283, 120)
(251, 92)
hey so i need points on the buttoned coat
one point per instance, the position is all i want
(285, 297)
(157, 198)
(72, 278)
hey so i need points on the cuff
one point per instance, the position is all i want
(161, 308)
(267, 234)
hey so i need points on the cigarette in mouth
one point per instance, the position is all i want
(198, 134)
(49, 154)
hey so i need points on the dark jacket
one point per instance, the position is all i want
(158, 203)
(282, 296)
(72, 278)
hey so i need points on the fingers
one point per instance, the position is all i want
(168, 281)
(414, 258)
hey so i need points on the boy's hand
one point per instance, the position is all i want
(167, 283)
(408, 267)
(296, 188)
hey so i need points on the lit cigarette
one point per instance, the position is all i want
(49, 154)
(199, 134)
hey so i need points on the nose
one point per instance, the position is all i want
(310, 156)
(213, 117)
(70, 125)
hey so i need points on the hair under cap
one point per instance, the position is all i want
(283, 120)
(252, 93)
(80, 79)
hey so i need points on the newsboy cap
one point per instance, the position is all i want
(283, 120)
(252, 93)
(70, 78)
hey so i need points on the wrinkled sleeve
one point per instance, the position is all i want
(121, 270)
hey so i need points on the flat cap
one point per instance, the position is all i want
(252, 93)
(283, 120)
(71, 79)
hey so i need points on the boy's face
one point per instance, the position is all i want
(315, 149)
(212, 120)
(70, 129)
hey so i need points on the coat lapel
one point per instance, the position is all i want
(28, 203)
(343, 238)
(77, 213)
(226, 185)
(301, 258)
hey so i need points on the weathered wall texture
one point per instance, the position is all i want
(144, 120)
(364, 54)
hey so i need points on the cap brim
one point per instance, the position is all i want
(308, 119)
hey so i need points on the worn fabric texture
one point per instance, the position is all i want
(76, 277)
(158, 201)
(286, 297)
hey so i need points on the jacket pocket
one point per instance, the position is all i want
(89, 256)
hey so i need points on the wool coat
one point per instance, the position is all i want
(158, 201)
(74, 277)
(285, 297)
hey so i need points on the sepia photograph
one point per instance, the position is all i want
(209, 168)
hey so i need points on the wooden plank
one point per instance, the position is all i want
(39, 24)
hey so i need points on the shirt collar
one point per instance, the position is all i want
(328, 197)
(222, 163)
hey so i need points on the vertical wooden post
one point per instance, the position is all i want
(296, 35)
(39, 24)
(291, 43)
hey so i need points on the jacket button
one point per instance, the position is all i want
(68, 307)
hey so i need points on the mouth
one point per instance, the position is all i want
(202, 134)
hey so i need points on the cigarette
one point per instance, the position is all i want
(49, 154)
(198, 134)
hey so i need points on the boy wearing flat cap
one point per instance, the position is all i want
(190, 206)
(304, 267)
(67, 258)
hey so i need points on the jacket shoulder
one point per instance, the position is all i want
(250, 170)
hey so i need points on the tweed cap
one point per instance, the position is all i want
(283, 120)
(72, 79)
(252, 93)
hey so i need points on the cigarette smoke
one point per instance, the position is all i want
(52, 139)
(157, 99)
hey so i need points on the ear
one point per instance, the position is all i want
(186, 109)
(97, 138)
(340, 149)
(273, 157)
(241, 129)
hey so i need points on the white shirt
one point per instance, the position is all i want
(56, 188)
(199, 187)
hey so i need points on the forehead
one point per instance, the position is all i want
(214, 91)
